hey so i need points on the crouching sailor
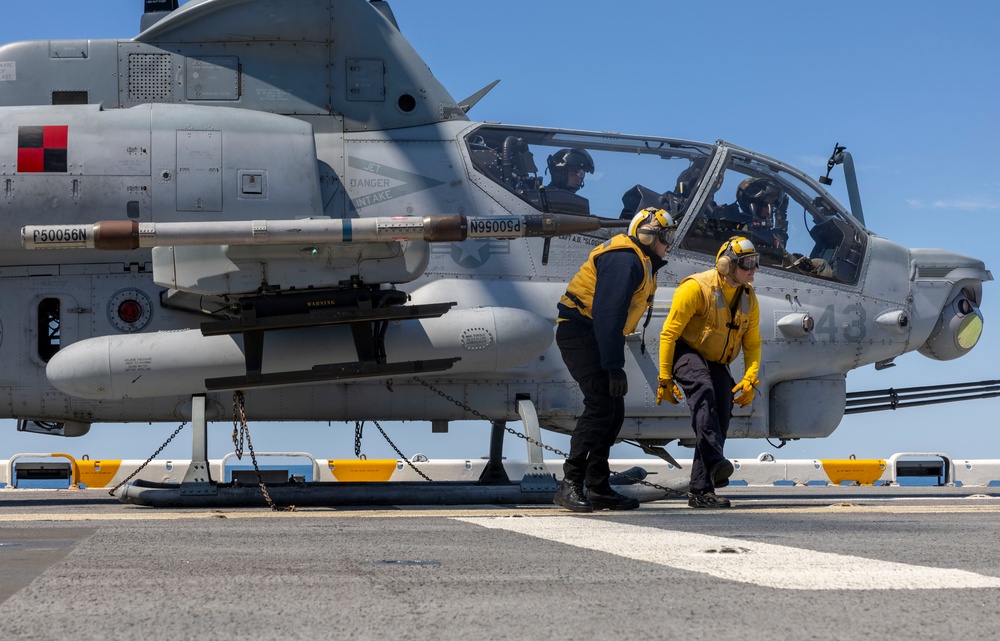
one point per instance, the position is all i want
(713, 315)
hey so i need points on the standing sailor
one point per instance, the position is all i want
(603, 303)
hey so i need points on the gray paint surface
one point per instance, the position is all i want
(422, 574)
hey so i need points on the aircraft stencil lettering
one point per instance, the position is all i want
(239, 241)
(391, 183)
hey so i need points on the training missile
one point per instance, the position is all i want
(435, 228)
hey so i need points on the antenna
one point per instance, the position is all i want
(154, 6)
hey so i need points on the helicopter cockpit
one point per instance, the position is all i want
(713, 191)
(764, 199)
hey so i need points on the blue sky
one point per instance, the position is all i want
(909, 89)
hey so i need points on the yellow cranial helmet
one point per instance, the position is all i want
(652, 223)
(736, 252)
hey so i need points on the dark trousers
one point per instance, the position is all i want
(601, 421)
(708, 388)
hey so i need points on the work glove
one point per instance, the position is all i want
(617, 382)
(668, 391)
(743, 392)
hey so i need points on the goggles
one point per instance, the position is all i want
(746, 263)
(666, 236)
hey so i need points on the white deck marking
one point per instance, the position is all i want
(765, 564)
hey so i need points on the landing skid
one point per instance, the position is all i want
(199, 490)
(338, 494)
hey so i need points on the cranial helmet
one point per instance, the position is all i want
(760, 197)
(652, 223)
(736, 251)
(566, 159)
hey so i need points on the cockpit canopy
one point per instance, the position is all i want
(715, 192)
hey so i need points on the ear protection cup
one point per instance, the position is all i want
(732, 253)
(724, 264)
(650, 216)
(645, 237)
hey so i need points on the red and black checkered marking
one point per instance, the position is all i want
(42, 149)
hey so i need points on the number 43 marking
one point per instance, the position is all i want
(853, 328)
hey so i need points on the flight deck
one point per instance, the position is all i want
(818, 562)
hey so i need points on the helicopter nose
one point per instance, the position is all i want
(957, 330)
(948, 288)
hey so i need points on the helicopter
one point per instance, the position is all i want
(297, 209)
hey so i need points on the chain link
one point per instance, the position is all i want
(154, 455)
(239, 409)
(359, 427)
(408, 461)
(241, 433)
(442, 394)
(479, 414)
(239, 414)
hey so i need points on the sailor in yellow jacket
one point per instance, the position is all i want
(713, 315)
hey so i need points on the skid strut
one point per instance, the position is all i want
(199, 490)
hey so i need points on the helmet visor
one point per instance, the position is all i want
(763, 210)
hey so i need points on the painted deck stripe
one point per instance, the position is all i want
(765, 564)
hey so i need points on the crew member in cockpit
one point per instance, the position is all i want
(567, 168)
(758, 213)
(765, 207)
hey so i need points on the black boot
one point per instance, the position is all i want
(707, 499)
(570, 496)
(721, 472)
(605, 498)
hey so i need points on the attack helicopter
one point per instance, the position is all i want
(297, 209)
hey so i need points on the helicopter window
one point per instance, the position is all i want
(48, 328)
(762, 204)
(606, 176)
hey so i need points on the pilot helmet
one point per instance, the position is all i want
(652, 223)
(736, 251)
(761, 198)
(566, 160)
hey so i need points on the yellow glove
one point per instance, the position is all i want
(743, 392)
(668, 390)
